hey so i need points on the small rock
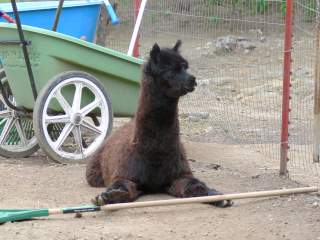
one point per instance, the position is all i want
(315, 204)
(214, 166)
(262, 39)
(78, 215)
(193, 119)
(255, 176)
(246, 44)
(230, 43)
(226, 44)
(203, 82)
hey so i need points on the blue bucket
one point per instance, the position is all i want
(78, 18)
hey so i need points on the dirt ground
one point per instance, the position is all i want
(37, 182)
(237, 103)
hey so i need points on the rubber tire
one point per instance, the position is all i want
(23, 154)
(38, 110)
(14, 154)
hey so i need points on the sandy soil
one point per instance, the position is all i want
(238, 99)
(37, 182)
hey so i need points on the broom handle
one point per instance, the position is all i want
(118, 206)
(209, 198)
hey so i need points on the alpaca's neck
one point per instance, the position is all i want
(157, 114)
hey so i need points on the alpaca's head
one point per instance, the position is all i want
(169, 71)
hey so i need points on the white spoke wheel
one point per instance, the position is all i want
(72, 117)
(17, 139)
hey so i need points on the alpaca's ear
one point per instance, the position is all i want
(177, 45)
(154, 53)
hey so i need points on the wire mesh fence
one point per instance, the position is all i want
(301, 130)
(235, 48)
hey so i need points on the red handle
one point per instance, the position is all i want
(7, 17)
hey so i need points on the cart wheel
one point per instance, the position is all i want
(17, 138)
(72, 117)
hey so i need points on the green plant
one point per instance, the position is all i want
(125, 21)
(151, 17)
(283, 7)
(261, 6)
(235, 2)
(215, 2)
(214, 20)
(167, 13)
(310, 10)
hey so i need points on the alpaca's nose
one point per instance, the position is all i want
(192, 80)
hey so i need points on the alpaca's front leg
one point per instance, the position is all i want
(118, 192)
(189, 186)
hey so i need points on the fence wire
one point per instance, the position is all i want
(235, 48)
(302, 92)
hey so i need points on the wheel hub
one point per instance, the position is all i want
(14, 114)
(76, 119)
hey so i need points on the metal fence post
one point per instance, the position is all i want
(286, 88)
(316, 110)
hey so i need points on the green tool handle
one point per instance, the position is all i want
(79, 209)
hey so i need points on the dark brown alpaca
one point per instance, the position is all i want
(146, 154)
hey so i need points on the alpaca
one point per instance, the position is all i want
(146, 154)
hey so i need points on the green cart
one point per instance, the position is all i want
(75, 88)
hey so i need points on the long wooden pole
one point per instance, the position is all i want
(180, 201)
(136, 7)
(209, 198)
(136, 27)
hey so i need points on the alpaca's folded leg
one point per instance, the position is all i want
(119, 192)
(191, 187)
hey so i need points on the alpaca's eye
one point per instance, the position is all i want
(184, 65)
(177, 68)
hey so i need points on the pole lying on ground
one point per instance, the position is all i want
(7, 215)
(209, 199)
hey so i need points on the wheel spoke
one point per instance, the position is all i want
(3, 120)
(21, 132)
(63, 135)
(77, 97)
(63, 102)
(6, 130)
(90, 107)
(5, 114)
(88, 125)
(78, 139)
(57, 119)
